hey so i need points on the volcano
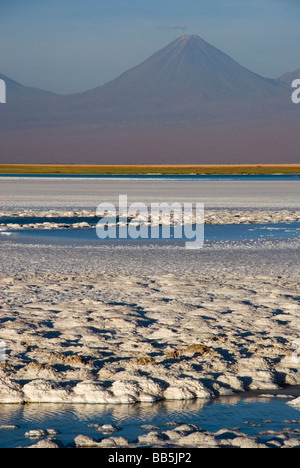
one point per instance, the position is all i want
(187, 103)
(181, 80)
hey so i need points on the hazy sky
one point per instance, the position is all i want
(72, 45)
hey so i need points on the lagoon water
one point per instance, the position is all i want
(251, 413)
(226, 232)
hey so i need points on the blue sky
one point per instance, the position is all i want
(72, 45)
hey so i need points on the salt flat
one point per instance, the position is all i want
(125, 324)
(122, 324)
(88, 193)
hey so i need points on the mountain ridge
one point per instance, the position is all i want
(289, 77)
(18, 90)
(186, 101)
(187, 72)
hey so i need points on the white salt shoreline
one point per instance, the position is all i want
(217, 217)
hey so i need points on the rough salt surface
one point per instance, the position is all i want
(295, 402)
(128, 325)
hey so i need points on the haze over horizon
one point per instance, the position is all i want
(189, 102)
(70, 46)
(200, 81)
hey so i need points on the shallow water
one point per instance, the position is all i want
(226, 232)
(251, 413)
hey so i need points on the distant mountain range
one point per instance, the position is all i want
(187, 103)
(16, 91)
(289, 77)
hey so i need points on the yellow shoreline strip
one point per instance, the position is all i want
(105, 169)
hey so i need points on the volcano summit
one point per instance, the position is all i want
(187, 103)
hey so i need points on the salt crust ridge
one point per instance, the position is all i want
(211, 217)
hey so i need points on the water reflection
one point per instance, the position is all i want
(224, 412)
(85, 412)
